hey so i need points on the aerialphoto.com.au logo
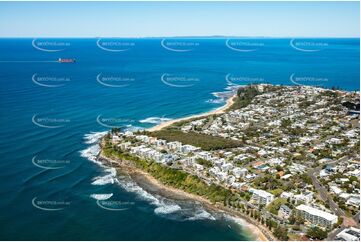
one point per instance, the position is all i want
(235, 80)
(179, 45)
(115, 45)
(49, 164)
(244, 45)
(305, 45)
(113, 122)
(51, 123)
(50, 80)
(49, 205)
(307, 80)
(114, 205)
(179, 80)
(50, 45)
(114, 80)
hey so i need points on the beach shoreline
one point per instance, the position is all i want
(220, 110)
(153, 186)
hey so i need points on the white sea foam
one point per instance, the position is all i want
(94, 137)
(109, 178)
(91, 153)
(101, 196)
(241, 222)
(202, 214)
(220, 97)
(215, 101)
(167, 209)
(162, 205)
(132, 128)
(155, 120)
(131, 186)
(233, 87)
(103, 180)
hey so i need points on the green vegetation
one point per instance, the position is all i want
(270, 223)
(203, 162)
(281, 233)
(276, 192)
(244, 97)
(204, 141)
(275, 205)
(296, 219)
(268, 182)
(172, 177)
(316, 233)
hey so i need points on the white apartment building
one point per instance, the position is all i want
(262, 197)
(349, 234)
(316, 216)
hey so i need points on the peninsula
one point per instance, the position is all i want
(284, 158)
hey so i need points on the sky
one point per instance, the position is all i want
(167, 19)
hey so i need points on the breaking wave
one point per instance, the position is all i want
(94, 137)
(201, 215)
(91, 153)
(101, 196)
(132, 128)
(106, 179)
(167, 208)
(155, 120)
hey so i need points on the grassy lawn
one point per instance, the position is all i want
(276, 204)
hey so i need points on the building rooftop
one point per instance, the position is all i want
(317, 212)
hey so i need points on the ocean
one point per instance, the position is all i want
(52, 115)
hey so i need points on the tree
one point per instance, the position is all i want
(316, 233)
(339, 221)
(281, 233)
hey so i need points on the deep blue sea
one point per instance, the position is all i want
(51, 113)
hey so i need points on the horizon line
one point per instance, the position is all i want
(181, 36)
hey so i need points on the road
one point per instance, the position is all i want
(322, 191)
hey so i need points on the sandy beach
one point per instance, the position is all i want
(153, 186)
(220, 110)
